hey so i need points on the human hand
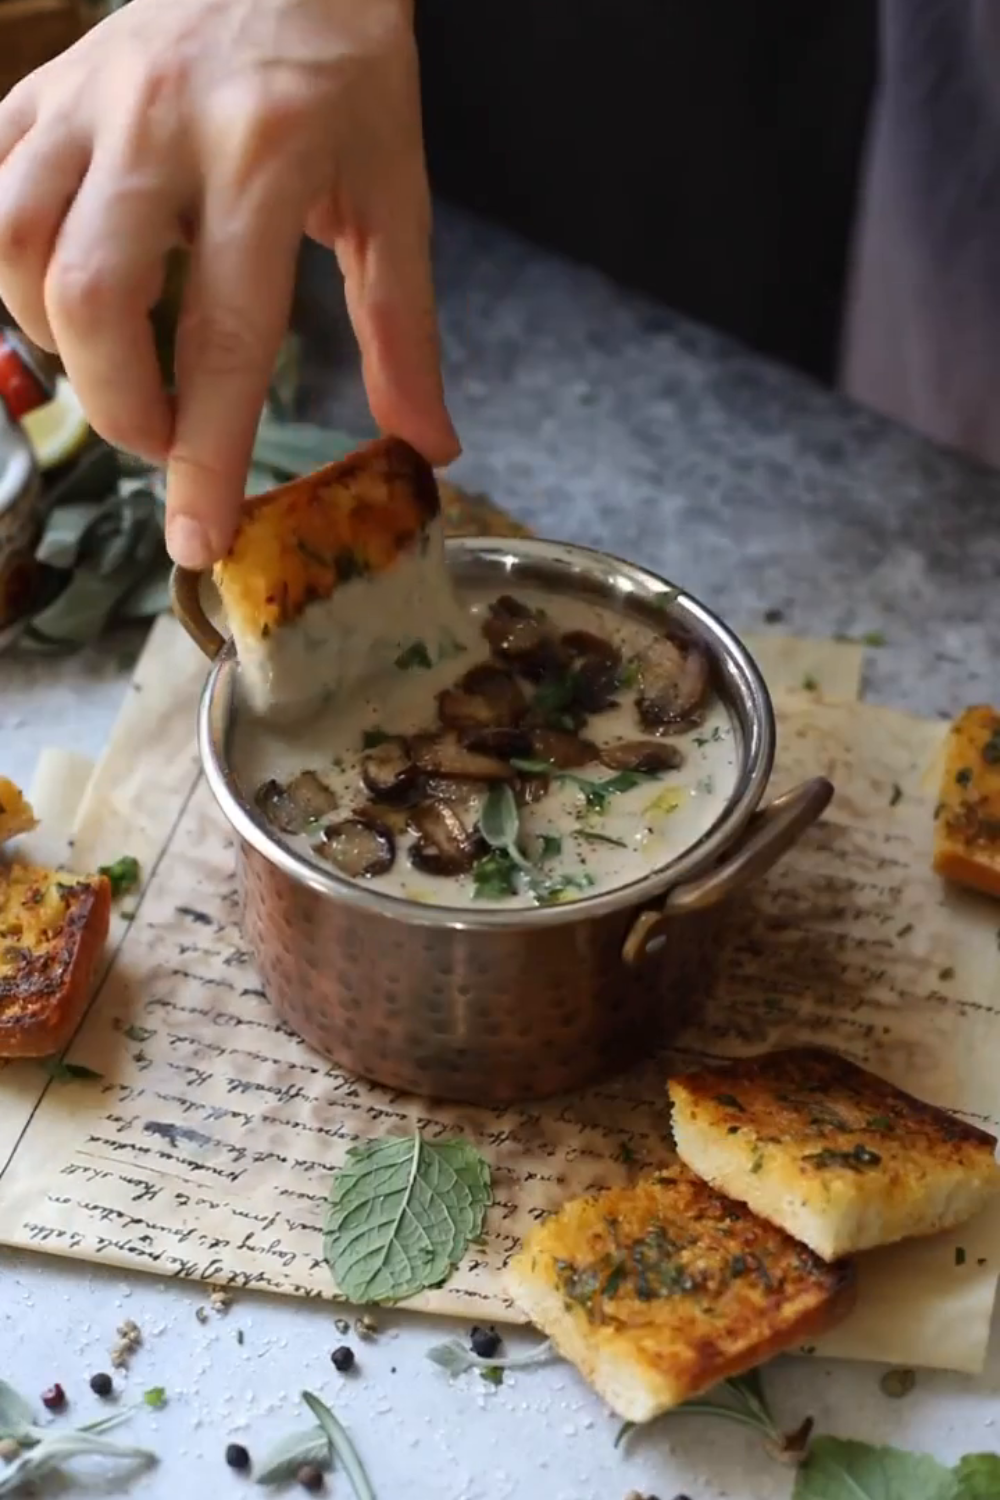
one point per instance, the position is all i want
(231, 127)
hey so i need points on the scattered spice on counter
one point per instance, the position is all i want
(311, 1478)
(960, 1255)
(342, 1359)
(129, 1340)
(156, 1397)
(897, 1383)
(220, 1299)
(101, 1384)
(237, 1457)
(54, 1399)
(366, 1327)
(342, 1326)
(201, 1313)
(485, 1342)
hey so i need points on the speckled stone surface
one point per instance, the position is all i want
(601, 418)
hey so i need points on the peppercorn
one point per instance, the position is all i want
(237, 1456)
(485, 1342)
(54, 1399)
(101, 1384)
(343, 1359)
(310, 1478)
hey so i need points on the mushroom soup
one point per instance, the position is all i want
(550, 751)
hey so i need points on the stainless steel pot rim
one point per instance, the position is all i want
(749, 701)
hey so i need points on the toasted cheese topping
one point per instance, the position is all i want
(300, 542)
(16, 815)
(52, 924)
(967, 820)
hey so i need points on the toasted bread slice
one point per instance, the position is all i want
(16, 815)
(53, 926)
(333, 576)
(967, 821)
(833, 1155)
(658, 1291)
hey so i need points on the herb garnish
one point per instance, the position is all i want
(415, 655)
(123, 875)
(596, 794)
(401, 1214)
(282, 1462)
(859, 1159)
(46, 1449)
(156, 1397)
(372, 738)
(500, 872)
(58, 1067)
(341, 1447)
(593, 837)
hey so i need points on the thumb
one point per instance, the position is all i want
(390, 299)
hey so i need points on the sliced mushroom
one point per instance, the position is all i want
(648, 756)
(523, 637)
(595, 670)
(530, 789)
(489, 680)
(466, 798)
(390, 774)
(673, 684)
(444, 846)
(561, 749)
(445, 755)
(393, 816)
(506, 744)
(294, 807)
(358, 847)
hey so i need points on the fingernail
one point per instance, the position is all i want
(188, 543)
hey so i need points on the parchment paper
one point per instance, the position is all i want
(206, 1149)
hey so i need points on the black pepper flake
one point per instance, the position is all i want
(959, 1255)
(946, 974)
(101, 1384)
(237, 1456)
(342, 1359)
(485, 1342)
(964, 776)
(54, 1399)
(310, 1478)
(896, 796)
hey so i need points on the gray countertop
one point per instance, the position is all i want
(602, 419)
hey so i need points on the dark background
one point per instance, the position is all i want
(705, 152)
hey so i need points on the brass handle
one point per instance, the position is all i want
(770, 834)
(185, 597)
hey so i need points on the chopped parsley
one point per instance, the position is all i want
(896, 795)
(592, 837)
(123, 875)
(730, 1101)
(858, 1159)
(415, 655)
(809, 683)
(596, 794)
(991, 750)
(964, 776)
(372, 738)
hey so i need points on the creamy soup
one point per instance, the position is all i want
(546, 750)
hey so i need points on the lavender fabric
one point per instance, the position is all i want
(922, 339)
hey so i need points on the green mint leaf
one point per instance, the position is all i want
(123, 875)
(455, 1358)
(56, 1449)
(416, 655)
(156, 1397)
(341, 1446)
(282, 1462)
(57, 1067)
(839, 1470)
(401, 1214)
(978, 1477)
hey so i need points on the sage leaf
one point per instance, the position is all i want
(840, 1470)
(56, 1449)
(341, 1446)
(282, 1462)
(500, 823)
(455, 1358)
(16, 1416)
(978, 1476)
(401, 1214)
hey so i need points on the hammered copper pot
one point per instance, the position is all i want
(492, 1006)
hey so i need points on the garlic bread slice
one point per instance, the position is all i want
(16, 814)
(658, 1291)
(830, 1153)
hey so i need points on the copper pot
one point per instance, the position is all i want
(492, 1006)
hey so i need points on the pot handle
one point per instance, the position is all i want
(769, 835)
(185, 598)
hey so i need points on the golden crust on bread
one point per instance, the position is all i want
(832, 1154)
(299, 542)
(53, 926)
(16, 815)
(658, 1291)
(967, 821)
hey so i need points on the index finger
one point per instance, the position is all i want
(236, 309)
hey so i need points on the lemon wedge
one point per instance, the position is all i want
(57, 430)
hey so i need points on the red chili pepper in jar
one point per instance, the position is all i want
(22, 384)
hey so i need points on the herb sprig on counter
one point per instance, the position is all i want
(45, 1450)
